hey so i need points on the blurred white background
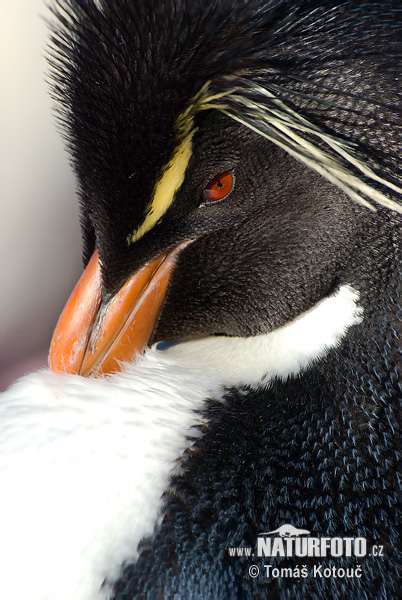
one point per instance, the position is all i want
(40, 253)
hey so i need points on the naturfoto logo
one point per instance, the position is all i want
(291, 541)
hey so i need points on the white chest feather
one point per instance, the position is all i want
(83, 462)
(83, 465)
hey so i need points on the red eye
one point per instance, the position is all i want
(219, 186)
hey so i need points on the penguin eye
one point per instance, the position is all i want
(218, 187)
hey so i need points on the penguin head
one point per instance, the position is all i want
(211, 140)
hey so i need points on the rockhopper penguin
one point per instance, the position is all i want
(226, 374)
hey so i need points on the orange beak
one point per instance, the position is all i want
(92, 338)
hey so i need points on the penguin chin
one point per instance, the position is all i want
(282, 353)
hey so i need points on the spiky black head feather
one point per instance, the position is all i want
(133, 79)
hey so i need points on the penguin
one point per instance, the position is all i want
(229, 362)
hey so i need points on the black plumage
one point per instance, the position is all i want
(260, 84)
